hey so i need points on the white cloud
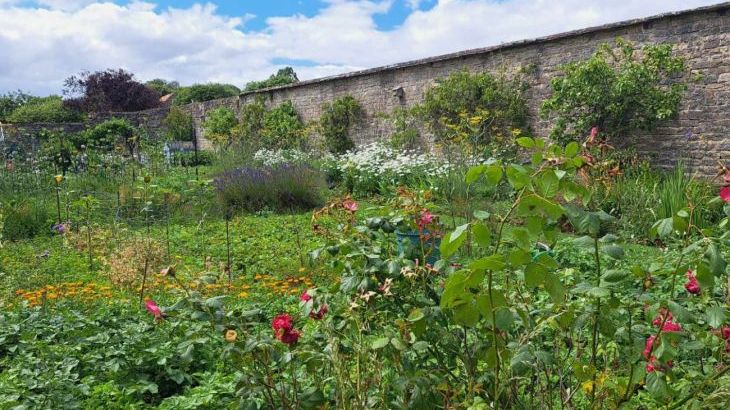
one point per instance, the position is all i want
(42, 46)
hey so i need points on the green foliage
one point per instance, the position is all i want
(475, 110)
(106, 135)
(619, 90)
(335, 122)
(204, 92)
(405, 132)
(163, 87)
(190, 159)
(284, 76)
(277, 128)
(24, 220)
(282, 127)
(219, 125)
(43, 109)
(9, 102)
(179, 125)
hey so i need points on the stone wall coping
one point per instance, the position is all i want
(720, 7)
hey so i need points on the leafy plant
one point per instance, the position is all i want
(204, 92)
(179, 125)
(284, 76)
(219, 126)
(335, 122)
(619, 90)
(475, 110)
(43, 109)
(25, 220)
(108, 91)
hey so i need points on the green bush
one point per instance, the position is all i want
(619, 90)
(189, 159)
(278, 128)
(45, 109)
(475, 110)
(25, 220)
(11, 101)
(335, 122)
(106, 135)
(282, 77)
(179, 125)
(219, 126)
(282, 127)
(204, 92)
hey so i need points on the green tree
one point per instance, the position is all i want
(162, 86)
(44, 109)
(618, 90)
(9, 102)
(284, 76)
(204, 92)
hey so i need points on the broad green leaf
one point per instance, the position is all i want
(474, 173)
(715, 316)
(380, 343)
(572, 149)
(482, 235)
(525, 142)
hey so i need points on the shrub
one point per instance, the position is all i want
(219, 126)
(284, 76)
(60, 148)
(127, 264)
(107, 134)
(335, 122)
(278, 128)
(204, 92)
(475, 110)
(25, 220)
(108, 91)
(282, 127)
(45, 109)
(284, 188)
(405, 135)
(188, 159)
(179, 125)
(163, 87)
(9, 102)
(619, 90)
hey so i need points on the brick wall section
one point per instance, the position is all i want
(702, 36)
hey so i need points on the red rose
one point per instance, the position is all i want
(692, 285)
(320, 313)
(290, 337)
(305, 297)
(281, 324)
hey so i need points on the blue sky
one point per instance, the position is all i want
(193, 41)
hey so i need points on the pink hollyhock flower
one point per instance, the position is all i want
(281, 324)
(725, 194)
(592, 138)
(649, 346)
(305, 297)
(725, 332)
(319, 314)
(670, 327)
(152, 307)
(692, 285)
(662, 313)
(290, 337)
(650, 365)
(349, 205)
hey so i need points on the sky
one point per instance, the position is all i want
(42, 42)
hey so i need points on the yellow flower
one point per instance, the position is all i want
(58, 179)
(301, 270)
(231, 335)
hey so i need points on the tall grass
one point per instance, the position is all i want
(643, 195)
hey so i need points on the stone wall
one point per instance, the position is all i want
(701, 36)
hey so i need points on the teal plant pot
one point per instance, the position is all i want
(412, 240)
